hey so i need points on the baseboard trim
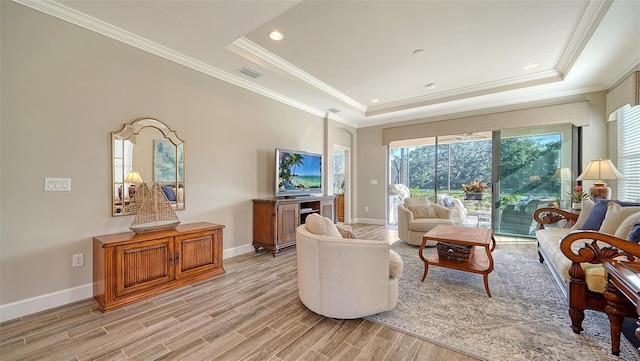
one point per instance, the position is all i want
(236, 251)
(44, 302)
(377, 222)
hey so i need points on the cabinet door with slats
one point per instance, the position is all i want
(197, 253)
(144, 265)
(288, 221)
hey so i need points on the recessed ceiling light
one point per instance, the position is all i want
(530, 66)
(276, 35)
(418, 52)
(375, 100)
(431, 86)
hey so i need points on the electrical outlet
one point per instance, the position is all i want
(366, 209)
(77, 260)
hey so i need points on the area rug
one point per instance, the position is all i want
(526, 319)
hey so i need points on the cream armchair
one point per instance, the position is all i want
(345, 278)
(458, 210)
(411, 229)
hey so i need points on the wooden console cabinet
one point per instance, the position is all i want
(275, 220)
(128, 267)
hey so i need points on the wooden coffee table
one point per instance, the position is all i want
(481, 260)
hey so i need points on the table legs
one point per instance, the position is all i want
(422, 257)
(426, 269)
(486, 284)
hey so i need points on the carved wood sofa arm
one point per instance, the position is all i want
(552, 216)
(598, 247)
(594, 251)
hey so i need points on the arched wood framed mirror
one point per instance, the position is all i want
(146, 152)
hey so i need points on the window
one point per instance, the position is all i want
(629, 152)
(122, 155)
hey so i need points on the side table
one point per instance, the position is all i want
(623, 295)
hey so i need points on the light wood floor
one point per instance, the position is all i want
(252, 312)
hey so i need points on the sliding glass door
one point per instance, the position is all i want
(524, 169)
(534, 170)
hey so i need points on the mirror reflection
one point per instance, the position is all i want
(146, 152)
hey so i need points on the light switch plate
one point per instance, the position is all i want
(57, 184)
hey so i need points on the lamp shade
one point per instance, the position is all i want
(133, 177)
(598, 170)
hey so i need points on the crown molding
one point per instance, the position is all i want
(267, 56)
(478, 104)
(589, 22)
(538, 78)
(72, 16)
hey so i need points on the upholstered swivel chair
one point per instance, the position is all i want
(344, 278)
(413, 223)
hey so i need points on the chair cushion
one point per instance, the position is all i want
(587, 206)
(448, 201)
(427, 224)
(596, 217)
(625, 227)
(549, 240)
(634, 235)
(346, 231)
(423, 212)
(615, 215)
(168, 191)
(323, 226)
(396, 266)
(599, 211)
(416, 202)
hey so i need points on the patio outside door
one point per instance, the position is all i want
(533, 170)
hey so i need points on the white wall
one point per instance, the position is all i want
(64, 90)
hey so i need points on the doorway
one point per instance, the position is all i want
(341, 182)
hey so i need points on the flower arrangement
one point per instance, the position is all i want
(475, 187)
(578, 194)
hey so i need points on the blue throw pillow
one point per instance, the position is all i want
(599, 211)
(634, 235)
(168, 191)
(595, 218)
(448, 201)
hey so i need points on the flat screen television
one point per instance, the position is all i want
(298, 173)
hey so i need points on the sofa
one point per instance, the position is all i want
(458, 209)
(416, 216)
(574, 255)
(344, 278)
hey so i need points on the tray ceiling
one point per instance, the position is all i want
(369, 62)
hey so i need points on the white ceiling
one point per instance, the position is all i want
(343, 54)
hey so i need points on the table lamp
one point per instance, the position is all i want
(133, 177)
(598, 170)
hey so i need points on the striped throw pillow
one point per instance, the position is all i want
(423, 212)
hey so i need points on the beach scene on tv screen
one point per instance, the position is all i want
(299, 172)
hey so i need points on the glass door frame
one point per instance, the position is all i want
(569, 160)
